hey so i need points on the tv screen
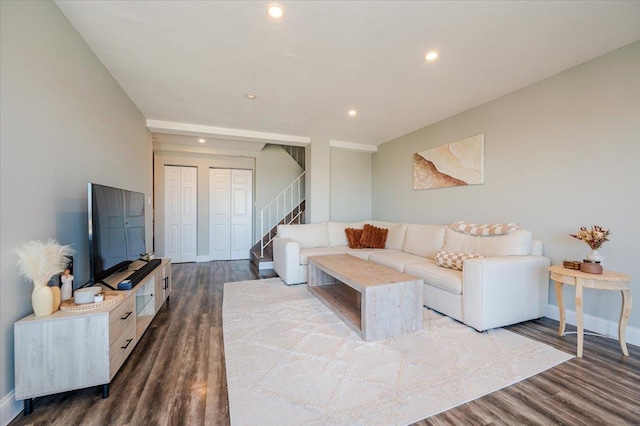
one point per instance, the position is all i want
(116, 229)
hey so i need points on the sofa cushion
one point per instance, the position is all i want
(364, 253)
(446, 279)
(395, 237)
(353, 238)
(337, 236)
(373, 237)
(395, 259)
(307, 235)
(305, 254)
(424, 240)
(454, 260)
(516, 243)
(488, 229)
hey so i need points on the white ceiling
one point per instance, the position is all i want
(192, 62)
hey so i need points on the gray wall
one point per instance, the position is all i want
(65, 122)
(559, 154)
(350, 185)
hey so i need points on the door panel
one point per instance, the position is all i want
(231, 211)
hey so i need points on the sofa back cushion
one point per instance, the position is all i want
(337, 236)
(423, 240)
(308, 235)
(515, 243)
(395, 236)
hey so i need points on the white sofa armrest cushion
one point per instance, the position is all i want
(337, 236)
(307, 235)
(423, 240)
(395, 237)
(286, 260)
(499, 291)
(515, 243)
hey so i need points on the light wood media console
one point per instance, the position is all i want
(73, 350)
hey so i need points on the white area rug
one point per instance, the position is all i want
(291, 361)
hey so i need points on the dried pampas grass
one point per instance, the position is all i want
(38, 261)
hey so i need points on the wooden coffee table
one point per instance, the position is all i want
(375, 301)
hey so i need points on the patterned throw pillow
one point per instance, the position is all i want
(374, 237)
(454, 260)
(353, 237)
(483, 230)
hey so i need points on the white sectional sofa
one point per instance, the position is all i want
(507, 286)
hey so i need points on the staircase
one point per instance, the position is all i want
(297, 153)
(286, 208)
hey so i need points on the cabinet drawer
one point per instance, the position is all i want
(122, 346)
(121, 318)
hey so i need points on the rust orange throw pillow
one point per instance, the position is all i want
(353, 237)
(374, 237)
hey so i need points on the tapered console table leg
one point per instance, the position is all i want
(105, 391)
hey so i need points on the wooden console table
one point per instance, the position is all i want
(608, 280)
(375, 301)
(74, 350)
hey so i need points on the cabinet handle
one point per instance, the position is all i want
(127, 345)
(166, 283)
(126, 316)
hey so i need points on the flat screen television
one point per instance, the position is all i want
(116, 230)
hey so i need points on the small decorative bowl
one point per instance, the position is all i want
(85, 295)
(591, 267)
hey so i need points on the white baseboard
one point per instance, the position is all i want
(9, 408)
(200, 259)
(596, 324)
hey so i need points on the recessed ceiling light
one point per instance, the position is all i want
(431, 56)
(353, 112)
(201, 140)
(275, 11)
(250, 96)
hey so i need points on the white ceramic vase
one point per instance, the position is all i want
(595, 256)
(42, 300)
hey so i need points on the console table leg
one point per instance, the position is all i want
(105, 391)
(28, 406)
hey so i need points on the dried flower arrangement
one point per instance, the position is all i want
(38, 261)
(594, 237)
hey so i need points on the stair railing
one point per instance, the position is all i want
(279, 208)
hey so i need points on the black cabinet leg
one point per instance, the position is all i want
(28, 406)
(105, 391)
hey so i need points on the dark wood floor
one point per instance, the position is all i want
(176, 373)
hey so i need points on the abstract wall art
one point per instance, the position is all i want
(453, 164)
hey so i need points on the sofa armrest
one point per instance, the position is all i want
(499, 291)
(286, 260)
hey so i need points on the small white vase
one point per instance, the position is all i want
(42, 300)
(595, 256)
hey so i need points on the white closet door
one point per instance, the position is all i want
(230, 213)
(241, 213)
(189, 213)
(172, 243)
(220, 214)
(180, 213)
